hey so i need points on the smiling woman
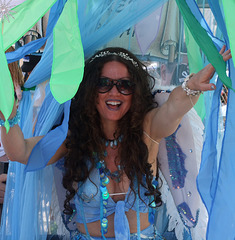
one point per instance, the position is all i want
(122, 92)
(110, 167)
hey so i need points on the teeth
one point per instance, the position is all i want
(113, 103)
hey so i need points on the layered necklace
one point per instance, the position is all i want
(113, 143)
(104, 180)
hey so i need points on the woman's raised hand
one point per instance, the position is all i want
(201, 80)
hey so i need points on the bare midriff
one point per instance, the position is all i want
(94, 227)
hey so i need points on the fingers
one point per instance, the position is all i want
(208, 87)
(201, 80)
(222, 49)
(226, 54)
(208, 71)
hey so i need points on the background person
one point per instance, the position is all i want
(17, 78)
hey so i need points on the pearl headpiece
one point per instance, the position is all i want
(120, 54)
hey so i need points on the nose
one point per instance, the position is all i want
(114, 89)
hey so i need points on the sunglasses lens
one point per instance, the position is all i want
(125, 87)
(104, 85)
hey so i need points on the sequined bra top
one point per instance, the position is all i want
(88, 199)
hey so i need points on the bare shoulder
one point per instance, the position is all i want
(149, 117)
(148, 124)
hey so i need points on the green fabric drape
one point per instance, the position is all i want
(205, 43)
(25, 17)
(68, 55)
(229, 10)
(7, 88)
(195, 65)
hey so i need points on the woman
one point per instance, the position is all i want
(112, 144)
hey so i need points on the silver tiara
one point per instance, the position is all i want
(120, 54)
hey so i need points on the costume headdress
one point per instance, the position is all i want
(120, 54)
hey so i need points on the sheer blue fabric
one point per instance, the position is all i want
(26, 49)
(197, 13)
(106, 15)
(47, 147)
(27, 196)
(219, 178)
(37, 44)
(96, 26)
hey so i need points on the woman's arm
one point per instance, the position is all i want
(19, 149)
(15, 146)
(165, 120)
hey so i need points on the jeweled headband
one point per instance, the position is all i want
(120, 54)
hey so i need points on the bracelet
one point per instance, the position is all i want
(12, 122)
(188, 90)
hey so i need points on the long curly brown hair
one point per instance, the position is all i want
(86, 133)
(16, 73)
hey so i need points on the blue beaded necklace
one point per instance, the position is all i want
(104, 180)
(113, 143)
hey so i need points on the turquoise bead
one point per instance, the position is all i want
(120, 138)
(105, 195)
(153, 204)
(155, 183)
(105, 181)
(102, 175)
(104, 223)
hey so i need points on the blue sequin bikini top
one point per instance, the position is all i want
(88, 198)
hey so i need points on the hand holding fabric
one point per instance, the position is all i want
(201, 80)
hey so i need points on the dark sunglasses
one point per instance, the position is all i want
(124, 86)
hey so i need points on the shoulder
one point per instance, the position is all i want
(148, 125)
(149, 118)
